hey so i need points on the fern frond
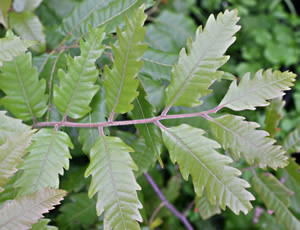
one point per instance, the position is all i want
(97, 14)
(151, 133)
(242, 137)
(48, 155)
(276, 197)
(12, 46)
(25, 93)
(24, 211)
(143, 156)
(113, 179)
(29, 27)
(292, 142)
(77, 86)
(274, 115)
(11, 153)
(205, 208)
(196, 155)
(253, 92)
(197, 69)
(10, 127)
(120, 82)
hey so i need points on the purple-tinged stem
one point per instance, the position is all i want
(161, 196)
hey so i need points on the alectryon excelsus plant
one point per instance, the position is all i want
(90, 100)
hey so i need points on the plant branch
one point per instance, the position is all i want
(121, 123)
(180, 216)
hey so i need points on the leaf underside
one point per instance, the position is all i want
(253, 92)
(197, 68)
(48, 156)
(242, 137)
(113, 179)
(196, 155)
(205, 208)
(24, 211)
(274, 115)
(11, 153)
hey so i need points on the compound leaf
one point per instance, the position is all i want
(12, 46)
(151, 133)
(276, 197)
(77, 86)
(29, 27)
(197, 69)
(242, 137)
(11, 153)
(26, 97)
(48, 155)
(120, 82)
(251, 93)
(113, 179)
(24, 211)
(196, 155)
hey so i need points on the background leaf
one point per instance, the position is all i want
(22, 212)
(26, 5)
(26, 97)
(12, 46)
(274, 115)
(205, 208)
(4, 7)
(276, 197)
(151, 133)
(292, 142)
(42, 224)
(29, 27)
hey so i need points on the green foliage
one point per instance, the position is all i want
(22, 212)
(47, 157)
(12, 46)
(243, 137)
(276, 197)
(70, 98)
(151, 133)
(25, 93)
(251, 93)
(196, 155)
(120, 82)
(107, 87)
(113, 179)
(29, 27)
(197, 69)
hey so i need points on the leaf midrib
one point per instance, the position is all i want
(113, 179)
(123, 73)
(23, 90)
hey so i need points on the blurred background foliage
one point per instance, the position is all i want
(269, 38)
